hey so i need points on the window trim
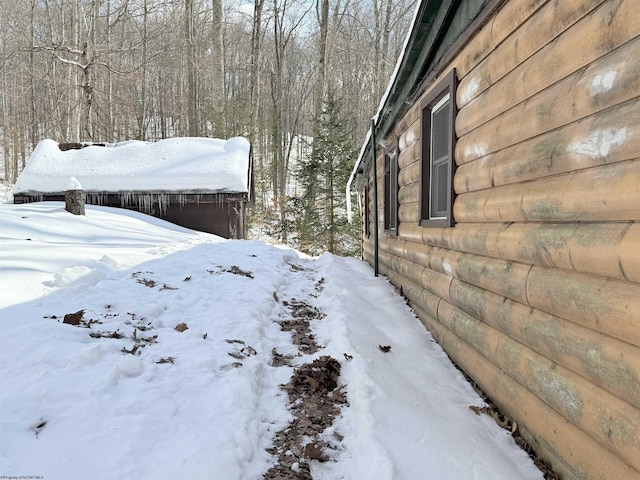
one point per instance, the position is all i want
(432, 101)
(391, 188)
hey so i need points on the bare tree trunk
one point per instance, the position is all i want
(323, 20)
(32, 93)
(219, 96)
(110, 124)
(256, 43)
(190, 37)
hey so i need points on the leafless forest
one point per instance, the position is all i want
(113, 70)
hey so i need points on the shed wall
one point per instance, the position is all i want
(220, 214)
(535, 292)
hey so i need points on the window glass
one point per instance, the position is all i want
(439, 158)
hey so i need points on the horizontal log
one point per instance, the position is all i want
(409, 155)
(607, 306)
(610, 81)
(431, 280)
(499, 276)
(580, 456)
(414, 293)
(541, 28)
(409, 213)
(607, 137)
(410, 174)
(405, 122)
(409, 194)
(603, 249)
(507, 20)
(606, 249)
(608, 363)
(495, 275)
(410, 136)
(415, 253)
(593, 36)
(606, 193)
(612, 422)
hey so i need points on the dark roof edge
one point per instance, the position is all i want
(428, 71)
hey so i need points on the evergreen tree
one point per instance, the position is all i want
(320, 212)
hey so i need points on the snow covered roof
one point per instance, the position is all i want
(184, 165)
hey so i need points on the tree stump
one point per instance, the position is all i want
(74, 201)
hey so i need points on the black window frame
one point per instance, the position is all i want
(446, 87)
(391, 188)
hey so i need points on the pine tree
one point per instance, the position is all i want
(321, 216)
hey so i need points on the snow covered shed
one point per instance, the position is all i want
(200, 183)
(500, 187)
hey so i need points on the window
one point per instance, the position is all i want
(391, 188)
(437, 163)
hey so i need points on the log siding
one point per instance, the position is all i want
(535, 291)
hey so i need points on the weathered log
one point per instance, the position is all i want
(496, 275)
(415, 253)
(607, 306)
(595, 35)
(606, 137)
(499, 276)
(409, 213)
(609, 363)
(410, 136)
(607, 249)
(409, 193)
(604, 249)
(507, 20)
(541, 28)
(611, 421)
(410, 174)
(414, 293)
(409, 155)
(431, 280)
(610, 81)
(549, 433)
(606, 193)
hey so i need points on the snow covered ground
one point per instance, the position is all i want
(124, 394)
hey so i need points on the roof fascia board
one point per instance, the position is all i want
(433, 25)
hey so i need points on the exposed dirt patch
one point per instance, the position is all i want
(302, 314)
(315, 399)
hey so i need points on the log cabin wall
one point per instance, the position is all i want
(535, 292)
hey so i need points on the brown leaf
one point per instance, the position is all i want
(73, 318)
(167, 360)
(238, 271)
(313, 383)
(340, 394)
(313, 451)
(181, 327)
